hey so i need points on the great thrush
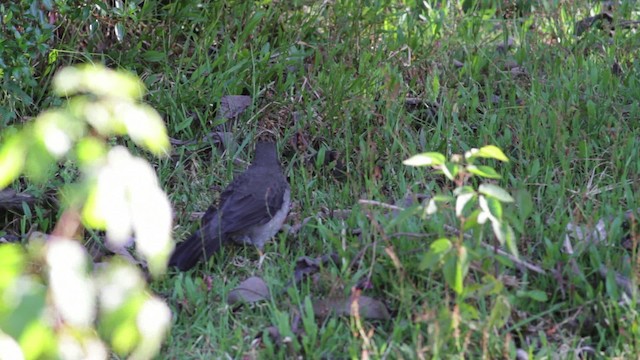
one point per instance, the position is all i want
(251, 210)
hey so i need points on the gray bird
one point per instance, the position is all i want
(251, 210)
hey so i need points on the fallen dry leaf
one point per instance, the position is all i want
(306, 266)
(233, 105)
(369, 308)
(252, 290)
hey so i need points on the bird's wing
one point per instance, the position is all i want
(244, 209)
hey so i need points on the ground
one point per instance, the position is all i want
(351, 90)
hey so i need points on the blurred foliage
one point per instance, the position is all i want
(52, 297)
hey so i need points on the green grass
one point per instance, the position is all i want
(551, 102)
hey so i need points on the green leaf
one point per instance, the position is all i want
(119, 30)
(12, 261)
(463, 190)
(39, 341)
(462, 267)
(489, 152)
(425, 159)
(435, 85)
(483, 171)
(402, 217)
(504, 233)
(524, 203)
(154, 56)
(495, 191)
(437, 251)
(469, 312)
(500, 312)
(12, 156)
(90, 151)
(25, 299)
(449, 269)
(39, 164)
(471, 221)
(510, 239)
(491, 206)
(443, 198)
(537, 295)
(611, 285)
(450, 170)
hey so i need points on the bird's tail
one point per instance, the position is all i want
(199, 246)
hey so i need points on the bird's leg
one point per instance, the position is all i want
(261, 259)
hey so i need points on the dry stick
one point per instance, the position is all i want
(340, 214)
(622, 281)
(380, 204)
(522, 263)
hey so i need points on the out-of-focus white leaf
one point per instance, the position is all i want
(461, 201)
(85, 347)
(99, 115)
(73, 291)
(128, 200)
(57, 132)
(145, 126)
(151, 215)
(9, 348)
(117, 282)
(98, 80)
(153, 321)
(432, 207)
(483, 217)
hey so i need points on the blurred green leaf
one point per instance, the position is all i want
(40, 163)
(483, 171)
(402, 217)
(119, 326)
(462, 267)
(437, 251)
(524, 203)
(90, 151)
(496, 192)
(491, 206)
(25, 300)
(450, 170)
(119, 31)
(510, 239)
(98, 80)
(472, 220)
(12, 262)
(425, 159)
(489, 151)
(38, 340)
(500, 312)
(611, 285)
(12, 156)
(154, 56)
(537, 295)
